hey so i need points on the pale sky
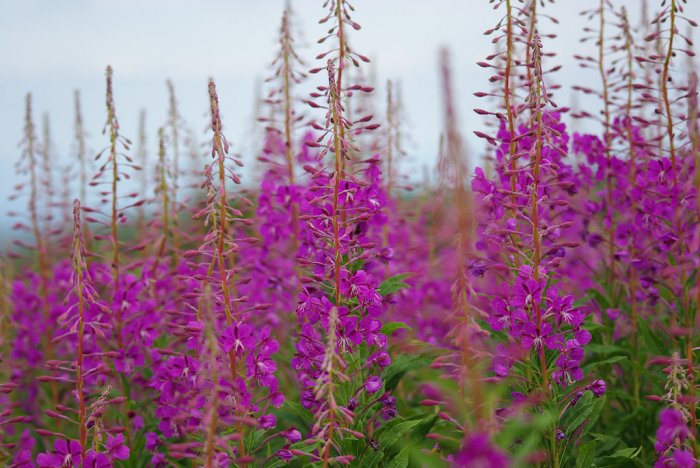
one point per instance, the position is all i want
(50, 48)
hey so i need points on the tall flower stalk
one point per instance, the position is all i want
(341, 316)
(142, 158)
(80, 146)
(35, 221)
(34, 215)
(164, 178)
(466, 332)
(543, 326)
(113, 170)
(605, 92)
(342, 55)
(81, 289)
(174, 124)
(694, 136)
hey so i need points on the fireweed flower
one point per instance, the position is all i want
(532, 311)
(96, 460)
(671, 437)
(339, 209)
(226, 377)
(276, 274)
(478, 451)
(673, 434)
(679, 459)
(523, 233)
(647, 238)
(116, 448)
(35, 221)
(64, 453)
(114, 167)
(373, 384)
(83, 324)
(672, 429)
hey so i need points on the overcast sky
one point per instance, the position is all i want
(50, 48)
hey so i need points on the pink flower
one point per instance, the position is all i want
(238, 338)
(65, 453)
(116, 448)
(478, 452)
(373, 384)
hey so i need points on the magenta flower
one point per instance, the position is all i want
(65, 453)
(598, 387)
(478, 452)
(527, 292)
(672, 429)
(159, 461)
(680, 459)
(277, 399)
(238, 338)
(361, 285)
(152, 441)
(292, 435)
(267, 421)
(684, 458)
(176, 326)
(116, 448)
(373, 384)
(348, 335)
(381, 358)
(531, 337)
(388, 406)
(96, 460)
(23, 459)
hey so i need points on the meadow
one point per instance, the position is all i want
(534, 304)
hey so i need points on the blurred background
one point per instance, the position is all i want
(52, 48)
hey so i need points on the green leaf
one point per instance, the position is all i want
(277, 463)
(425, 459)
(393, 284)
(254, 438)
(611, 360)
(401, 459)
(577, 415)
(629, 452)
(401, 365)
(525, 436)
(395, 430)
(597, 348)
(422, 429)
(296, 413)
(600, 298)
(653, 342)
(608, 442)
(126, 386)
(621, 458)
(586, 455)
(371, 459)
(391, 327)
(305, 447)
(598, 407)
(161, 341)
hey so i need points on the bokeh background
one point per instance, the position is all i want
(51, 48)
